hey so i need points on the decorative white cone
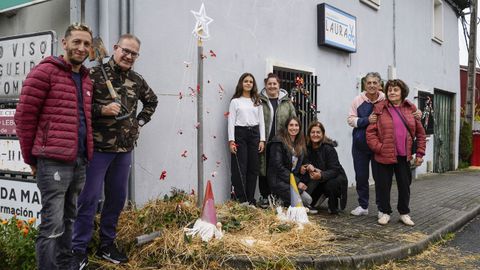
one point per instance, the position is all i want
(296, 212)
(205, 230)
(207, 226)
(280, 214)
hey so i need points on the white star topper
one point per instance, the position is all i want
(201, 26)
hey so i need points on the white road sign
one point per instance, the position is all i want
(18, 55)
(11, 157)
(19, 198)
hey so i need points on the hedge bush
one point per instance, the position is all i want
(465, 147)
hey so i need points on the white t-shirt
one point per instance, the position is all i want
(243, 113)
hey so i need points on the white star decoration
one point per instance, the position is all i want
(201, 26)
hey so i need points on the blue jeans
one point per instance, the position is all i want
(59, 184)
(361, 161)
(111, 171)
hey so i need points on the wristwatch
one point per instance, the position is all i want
(141, 122)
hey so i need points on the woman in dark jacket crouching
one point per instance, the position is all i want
(287, 151)
(325, 173)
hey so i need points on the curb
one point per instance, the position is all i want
(368, 260)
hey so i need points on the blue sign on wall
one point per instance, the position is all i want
(336, 28)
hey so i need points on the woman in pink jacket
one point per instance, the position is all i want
(391, 139)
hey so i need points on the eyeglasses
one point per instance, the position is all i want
(126, 51)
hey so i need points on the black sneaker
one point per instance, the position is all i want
(263, 202)
(343, 193)
(80, 260)
(333, 211)
(112, 254)
(320, 200)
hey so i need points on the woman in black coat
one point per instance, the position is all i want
(325, 173)
(287, 151)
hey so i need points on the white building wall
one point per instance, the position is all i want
(248, 36)
(50, 15)
(425, 64)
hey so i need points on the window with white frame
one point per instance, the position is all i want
(438, 21)
(375, 4)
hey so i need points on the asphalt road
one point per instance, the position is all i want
(467, 240)
(459, 251)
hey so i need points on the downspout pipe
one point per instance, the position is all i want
(76, 11)
(124, 17)
(394, 35)
(125, 27)
(103, 25)
(130, 16)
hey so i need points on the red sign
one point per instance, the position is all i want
(7, 124)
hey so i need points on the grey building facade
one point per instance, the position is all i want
(416, 41)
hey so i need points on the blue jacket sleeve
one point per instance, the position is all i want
(363, 122)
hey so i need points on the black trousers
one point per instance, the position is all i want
(331, 190)
(245, 164)
(263, 186)
(403, 177)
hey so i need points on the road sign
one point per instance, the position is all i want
(11, 157)
(20, 198)
(7, 123)
(18, 55)
(7, 5)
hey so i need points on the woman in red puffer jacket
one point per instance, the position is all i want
(391, 139)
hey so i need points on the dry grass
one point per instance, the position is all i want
(256, 235)
(412, 237)
(437, 256)
(252, 233)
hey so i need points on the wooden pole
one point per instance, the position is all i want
(472, 54)
(200, 174)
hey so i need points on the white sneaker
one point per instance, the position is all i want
(406, 220)
(380, 213)
(359, 211)
(384, 219)
(311, 210)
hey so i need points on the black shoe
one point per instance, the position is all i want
(333, 211)
(112, 254)
(263, 202)
(343, 194)
(320, 200)
(80, 261)
(333, 206)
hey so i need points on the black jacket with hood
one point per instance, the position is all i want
(280, 167)
(325, 158)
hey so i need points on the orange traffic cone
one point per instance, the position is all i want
(207, 226)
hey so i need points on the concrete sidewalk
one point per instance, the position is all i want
(439, 204)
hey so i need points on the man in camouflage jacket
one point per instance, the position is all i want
(114, 140)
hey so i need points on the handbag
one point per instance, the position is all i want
(414, 139)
